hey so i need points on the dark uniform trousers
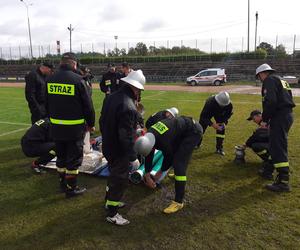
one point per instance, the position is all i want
(262, 150)
(117, 183)
(69, 158)
(45, 151)
(181, 159)
(220, 134)
(279, 127)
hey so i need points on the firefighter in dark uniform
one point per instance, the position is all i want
(87, 77)
(35, 90)
(220, 108)
(259, 143)
(37, 142)
(118, 124)
(125, 70)
(71, 114)
(110, 80)
(277, 113)
(161, 115)
(176, 138)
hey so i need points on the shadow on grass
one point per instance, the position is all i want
(88, 228)
(79, 227)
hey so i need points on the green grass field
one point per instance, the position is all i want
(226, 205)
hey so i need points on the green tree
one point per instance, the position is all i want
(141, 49)
(267, 47)
(280, 51)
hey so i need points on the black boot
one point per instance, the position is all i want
(62, 183)
(266, 171)
(219, 146)
(281, 183)
(72, 189)
(220, 151)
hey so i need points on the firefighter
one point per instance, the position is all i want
(87, 77)
(259, 143)
(118, 124)
(35, 90)
(176, 138)
(37, 142)
(167, 113)
(220, 108)
(71, 114)
(110, 80)
(125, 70)
(277, 113)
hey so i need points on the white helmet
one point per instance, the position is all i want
(135, 78)
(173, 111)
(223, 98)
(262, 68)
(144, 144)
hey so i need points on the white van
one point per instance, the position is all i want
(215, 77)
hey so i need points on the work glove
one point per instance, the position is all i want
(135, 164)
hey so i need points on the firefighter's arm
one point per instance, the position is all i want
(205, 116)
(30, 91)
(229, 113)
(102, 85)
(148, 161)
(126, 132)
(87, 105)
(250, 141)
(270, 100)
(148, 167)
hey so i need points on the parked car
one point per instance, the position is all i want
(291, 79)
(215, 77)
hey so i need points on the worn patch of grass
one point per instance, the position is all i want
(226, 205)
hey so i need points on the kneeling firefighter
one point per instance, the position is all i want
(37, 142)
(259, 143)
(176, 138)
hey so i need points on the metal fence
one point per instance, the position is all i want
(208, 45)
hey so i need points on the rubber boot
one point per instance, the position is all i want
(281, 183)
(72, 189)
(267, 170)
(62, 182)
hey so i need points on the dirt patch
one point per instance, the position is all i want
(236, 89)
(12, 84)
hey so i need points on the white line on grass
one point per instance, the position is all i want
(13, 132)
(233, 102)
(10, 148)
(15, 123)
(158, 94)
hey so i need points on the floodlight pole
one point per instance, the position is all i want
(116, 38)
(256, 20)
(28, 22)
(70, 29)
(248, 42)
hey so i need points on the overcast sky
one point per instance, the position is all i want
(98, 21)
